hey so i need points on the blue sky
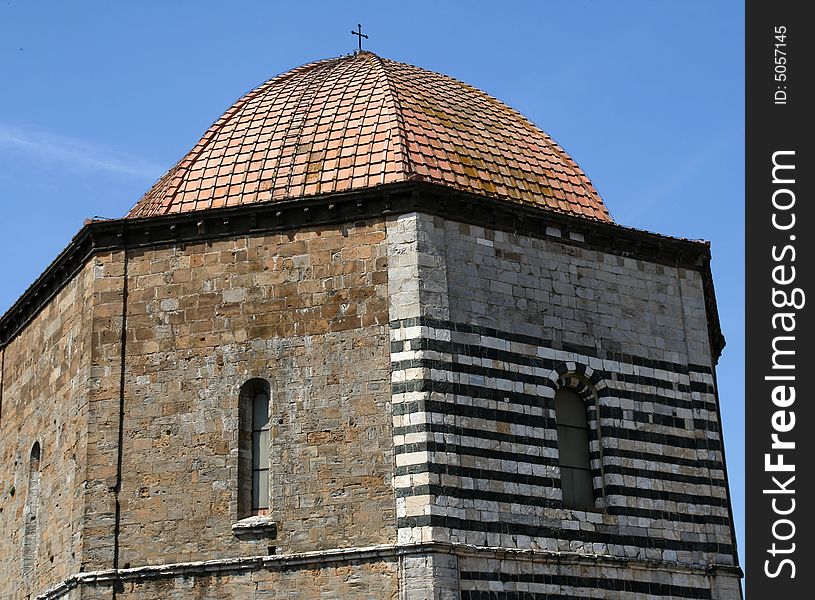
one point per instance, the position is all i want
(100, 98)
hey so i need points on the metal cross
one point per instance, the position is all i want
(360, 34)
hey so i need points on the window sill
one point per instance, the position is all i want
(257, 526)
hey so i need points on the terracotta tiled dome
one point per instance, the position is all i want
(360, 121)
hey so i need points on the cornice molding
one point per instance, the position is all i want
(380, 202)
(335, 556)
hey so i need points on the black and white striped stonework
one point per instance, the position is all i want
(476, 447)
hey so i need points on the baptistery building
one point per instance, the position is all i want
(376, 336)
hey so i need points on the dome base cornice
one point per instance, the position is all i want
(344, 207)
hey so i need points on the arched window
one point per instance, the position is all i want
(253, 454)
(32, 504)
(573, 448)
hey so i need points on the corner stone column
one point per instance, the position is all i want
(417, 268)
(417, 289)
(99, 519)
(431, 576)
(726, 583)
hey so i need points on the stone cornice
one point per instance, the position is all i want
(324, 558)
(393, 199)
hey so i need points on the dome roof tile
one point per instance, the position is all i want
(361, 121)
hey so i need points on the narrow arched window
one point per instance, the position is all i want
(260, 453)
(253, 455)
(573, 448)
(32, 505)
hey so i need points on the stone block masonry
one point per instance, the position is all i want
(322, 357)
(54, 374)
(477, 354)
(412, 362)
(305, 311)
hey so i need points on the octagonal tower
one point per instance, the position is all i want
(374, 336)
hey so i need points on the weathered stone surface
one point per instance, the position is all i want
(47, 385)
(357, 580)
(412, 363)
(474, 375)
(306, 312)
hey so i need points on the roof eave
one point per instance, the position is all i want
(381, 201)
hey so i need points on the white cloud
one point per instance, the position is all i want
(75, 153)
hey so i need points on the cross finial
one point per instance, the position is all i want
(360, 34)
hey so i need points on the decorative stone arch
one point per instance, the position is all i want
(589, 384)
(580, 377)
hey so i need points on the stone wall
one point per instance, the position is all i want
(412, 364)
(104, 410)
(307, 312)
(365, 579)
(476, 361)
(478, 573)
(45, 372)
(560, 578)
